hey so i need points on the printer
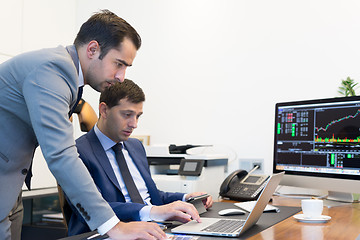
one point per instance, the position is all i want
(176, 171)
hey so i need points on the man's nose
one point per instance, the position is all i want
(133, 123)
(120, 75)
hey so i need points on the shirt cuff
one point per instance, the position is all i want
(145, 213)
(183, 199)
(109, 224)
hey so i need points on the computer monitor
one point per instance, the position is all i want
(317, 144)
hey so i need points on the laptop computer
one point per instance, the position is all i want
(232, 227)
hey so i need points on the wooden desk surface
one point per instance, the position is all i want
(344, 224)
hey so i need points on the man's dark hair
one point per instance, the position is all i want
(122, 90)
(108, 30)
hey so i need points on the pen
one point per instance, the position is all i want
(94, 236)
(97, 236)
(162, 226)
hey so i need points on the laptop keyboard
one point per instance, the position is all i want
(225, 226)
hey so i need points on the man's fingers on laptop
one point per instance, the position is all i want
(179, 211)
(183, 212)
(187, 209)
(181, 217)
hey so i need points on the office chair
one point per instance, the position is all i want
(86, 114)
(65, 207)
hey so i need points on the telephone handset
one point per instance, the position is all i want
(242, 186)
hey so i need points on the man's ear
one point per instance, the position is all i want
(103, 109)
(93, 49)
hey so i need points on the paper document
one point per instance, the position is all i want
(53, 217)
(248, 206)
(180, 237)
(169, 236)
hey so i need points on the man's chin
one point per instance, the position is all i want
(100, 87)
(124, 138)
(97, 88)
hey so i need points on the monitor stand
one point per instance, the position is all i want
(331, 198)
(342, 198)
(299, 192)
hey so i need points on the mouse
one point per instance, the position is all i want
(231, 211)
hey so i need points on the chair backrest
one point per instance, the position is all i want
(65, 207)
(87, 116)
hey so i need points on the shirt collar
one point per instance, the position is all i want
(106, 142)
(81, 77)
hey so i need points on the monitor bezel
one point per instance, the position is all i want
(308, 102)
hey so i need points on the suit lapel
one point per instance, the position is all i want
(75, 58)
(73, 53)
(100, 156)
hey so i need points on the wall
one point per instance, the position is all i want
(29, 25)
(212, 71)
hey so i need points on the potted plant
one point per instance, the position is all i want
(347, 87)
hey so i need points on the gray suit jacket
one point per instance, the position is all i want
(37, 91)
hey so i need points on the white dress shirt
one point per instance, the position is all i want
(107, 144)
(81, 77)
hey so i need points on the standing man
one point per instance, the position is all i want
(38, 91)
(126, 183)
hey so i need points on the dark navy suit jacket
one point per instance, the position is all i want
(95, 159)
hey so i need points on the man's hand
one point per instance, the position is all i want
(136, 230)
(176, 211)
(208, 202)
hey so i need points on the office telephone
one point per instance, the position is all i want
(242, 186)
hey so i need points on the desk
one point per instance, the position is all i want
(42, 192)
(36, 195)
(344, 224)
(37, 203)
(266, 220)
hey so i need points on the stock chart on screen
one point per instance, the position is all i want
(319, 135)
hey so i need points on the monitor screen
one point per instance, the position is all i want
(319, 138)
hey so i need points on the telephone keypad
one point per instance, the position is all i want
(246, 190)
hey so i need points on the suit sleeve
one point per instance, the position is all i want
(49, 92)
(169, 197)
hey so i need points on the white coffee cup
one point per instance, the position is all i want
(312, 208)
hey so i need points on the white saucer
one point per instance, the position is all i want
(321, 219)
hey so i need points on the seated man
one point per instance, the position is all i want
(122, 174)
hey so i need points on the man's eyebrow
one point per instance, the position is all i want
(127, 110)
(123, 62)
(131, 111)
